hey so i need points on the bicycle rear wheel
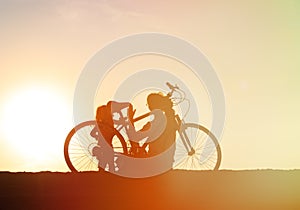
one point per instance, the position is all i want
(79, 146)
(197, 149)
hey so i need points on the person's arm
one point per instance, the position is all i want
(118, 106)
(152, 130)
(94, 132)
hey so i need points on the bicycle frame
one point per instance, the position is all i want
(183, 136)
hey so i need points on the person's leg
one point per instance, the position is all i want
(134, 148)
(110, 159)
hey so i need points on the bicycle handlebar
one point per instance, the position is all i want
(171, 86)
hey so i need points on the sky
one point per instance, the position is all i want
(254, 47)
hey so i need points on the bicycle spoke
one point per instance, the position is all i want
(206, 155)
(79, 146)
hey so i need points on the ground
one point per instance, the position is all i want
(257, 189)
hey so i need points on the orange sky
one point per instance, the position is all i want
(253, 46)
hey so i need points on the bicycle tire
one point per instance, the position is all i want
(79, 145)
(207, 152)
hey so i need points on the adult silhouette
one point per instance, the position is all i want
(168, 136)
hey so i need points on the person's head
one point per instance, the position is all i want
(159, 101)
(104, 114)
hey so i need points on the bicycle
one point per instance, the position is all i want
(196, 147)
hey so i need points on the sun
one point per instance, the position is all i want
(35, 122)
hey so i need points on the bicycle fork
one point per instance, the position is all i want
(184, 138)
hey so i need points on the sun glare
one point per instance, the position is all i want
(35, 122)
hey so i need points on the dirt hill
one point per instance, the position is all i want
(262, 189)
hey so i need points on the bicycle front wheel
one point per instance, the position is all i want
(79, 145)
(197, 149)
